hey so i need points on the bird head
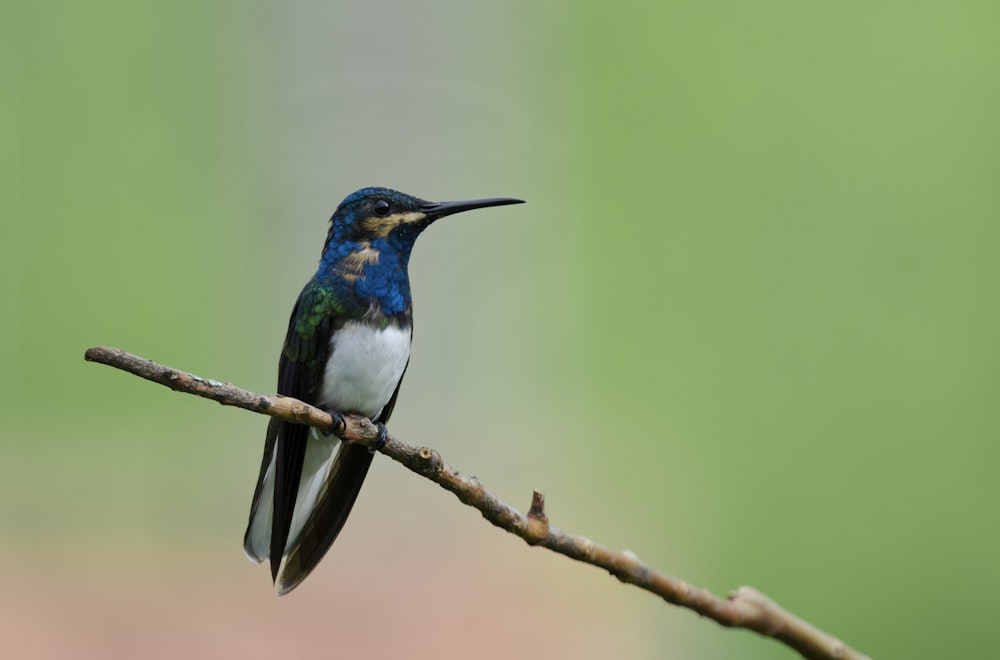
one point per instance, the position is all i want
(380, 214)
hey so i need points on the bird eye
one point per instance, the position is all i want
(381, 208)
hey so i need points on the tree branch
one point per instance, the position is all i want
(743, 608)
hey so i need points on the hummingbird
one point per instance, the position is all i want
(346, 350)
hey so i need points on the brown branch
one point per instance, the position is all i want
(744, 608)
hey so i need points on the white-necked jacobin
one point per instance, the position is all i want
(346, 350)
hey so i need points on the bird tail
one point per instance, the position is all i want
(332, 475)
(347, 474)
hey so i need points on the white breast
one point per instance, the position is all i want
(364, 368)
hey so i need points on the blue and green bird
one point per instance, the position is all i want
(347, 348)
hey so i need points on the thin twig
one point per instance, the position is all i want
(743, 608)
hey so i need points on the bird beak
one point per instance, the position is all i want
(435, 210)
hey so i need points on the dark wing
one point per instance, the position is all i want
(300, 373)
(347, 474)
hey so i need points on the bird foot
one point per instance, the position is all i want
(382, 439)
(339, 423)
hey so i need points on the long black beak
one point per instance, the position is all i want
(435, 210)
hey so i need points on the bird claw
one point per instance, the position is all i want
(339, 423)
(382, 439)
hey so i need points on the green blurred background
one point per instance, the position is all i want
(746, 325)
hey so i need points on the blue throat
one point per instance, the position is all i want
(371, 274)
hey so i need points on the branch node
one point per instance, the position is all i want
(631, 565)
(538, 523)
(537, 509)
(428, 460)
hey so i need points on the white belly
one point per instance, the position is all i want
(364, 368)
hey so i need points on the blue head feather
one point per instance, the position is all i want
(366, 266)
(367, 250)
